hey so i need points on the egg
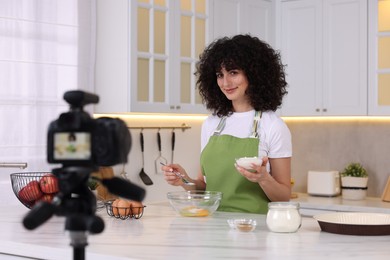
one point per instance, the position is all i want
(192, 211)
(136, 207)
(114, 206)
(124, 208)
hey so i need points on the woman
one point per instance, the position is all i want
(242, 81)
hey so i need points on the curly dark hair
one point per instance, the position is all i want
(258, 60)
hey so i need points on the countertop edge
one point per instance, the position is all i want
(370, 204)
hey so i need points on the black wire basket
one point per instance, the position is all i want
(124, 212)
(31, 187)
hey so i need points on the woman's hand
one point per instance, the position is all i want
(278, 186)
(258, 172)
(171, 172)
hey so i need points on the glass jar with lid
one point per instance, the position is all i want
(283, 217)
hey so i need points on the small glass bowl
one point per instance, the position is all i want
(242, 224)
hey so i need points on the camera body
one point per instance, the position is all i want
(77, 139)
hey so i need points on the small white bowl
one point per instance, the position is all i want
(246, 162)
(242, 224)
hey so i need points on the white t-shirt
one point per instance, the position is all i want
(275, 137)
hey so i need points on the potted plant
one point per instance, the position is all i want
(92, 185)
(354, 179)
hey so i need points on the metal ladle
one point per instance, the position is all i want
(142, 174)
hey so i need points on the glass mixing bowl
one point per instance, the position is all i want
(195, 203)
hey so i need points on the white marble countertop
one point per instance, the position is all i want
(162, 234)
(311, 205)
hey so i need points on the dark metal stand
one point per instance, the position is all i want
(76, 203)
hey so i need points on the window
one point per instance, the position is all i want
(45, 50)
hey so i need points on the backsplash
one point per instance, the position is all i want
(186, 151)
(331, 144)
(318, 144)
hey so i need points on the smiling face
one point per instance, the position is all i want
(233, 84)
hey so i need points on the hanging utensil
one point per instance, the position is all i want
(144, 177)
(124, 173)
(173, 143)
(160, 159)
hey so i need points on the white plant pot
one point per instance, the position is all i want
(354, 188)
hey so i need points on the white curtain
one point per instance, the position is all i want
(46, 48)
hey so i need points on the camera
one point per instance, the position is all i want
(81, 144)
(77, 139)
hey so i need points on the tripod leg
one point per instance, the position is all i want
(78, 242)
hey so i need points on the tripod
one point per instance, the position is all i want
(78, 205)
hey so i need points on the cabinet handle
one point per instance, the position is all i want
(317, 110)
(324, 110)
(171, 107)
(178, 107)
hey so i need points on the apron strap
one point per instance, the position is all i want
(256, 124)
(220, 126)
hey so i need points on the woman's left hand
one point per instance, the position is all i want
(258, 172)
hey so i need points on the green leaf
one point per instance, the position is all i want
(92, 184)
(354, 170)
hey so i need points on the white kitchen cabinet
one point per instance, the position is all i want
(379, 57)
(255, 17)
(146, 55)
(324, 45)
(151, 69)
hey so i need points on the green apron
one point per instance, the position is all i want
(217, 162)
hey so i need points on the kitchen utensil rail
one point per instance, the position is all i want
(183, 127)
(13, 165)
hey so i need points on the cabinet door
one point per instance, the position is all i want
(301, 51)
(226, 18)
(345, 57)
(255, 17)
(170, 36)
(146, 55)
(324, 45)
(258, 19)
(149, 56)
(379, 57)
(190, 31)
(111, 67)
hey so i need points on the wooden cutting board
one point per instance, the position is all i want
(386, 192)
(102, 192)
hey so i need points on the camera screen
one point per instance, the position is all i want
(72, 146)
